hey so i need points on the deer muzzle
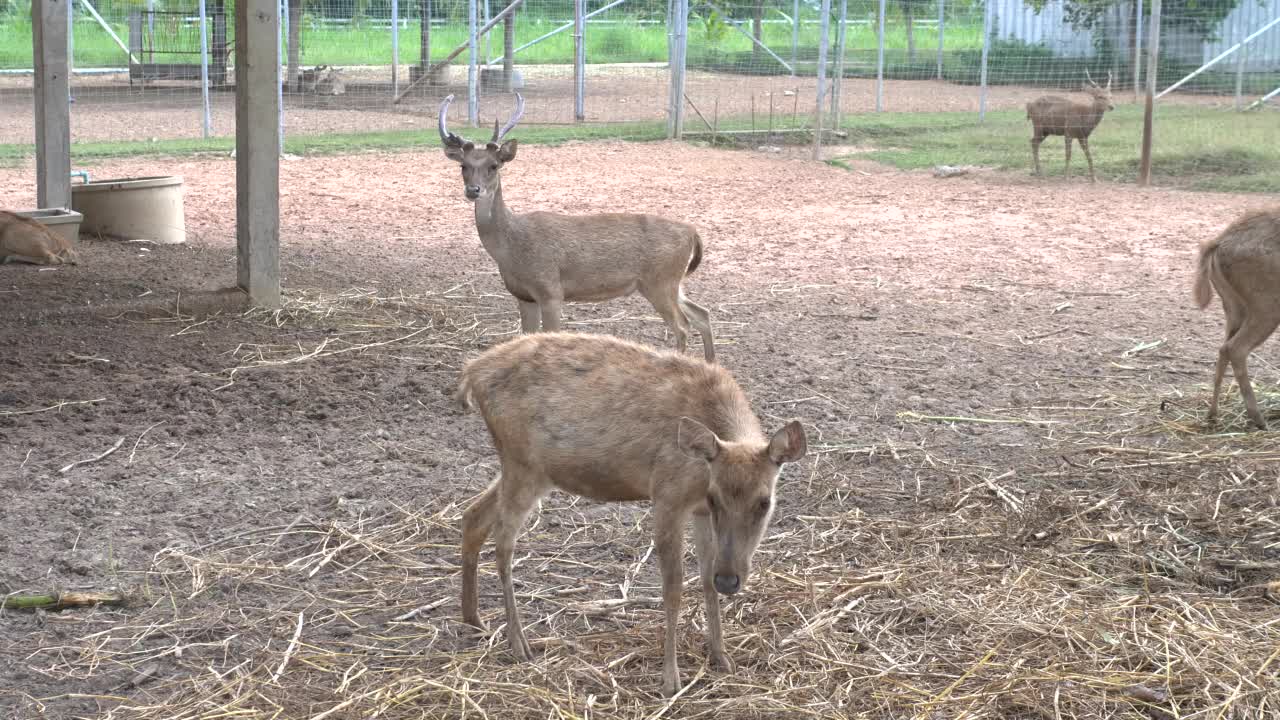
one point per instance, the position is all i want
(727, 584)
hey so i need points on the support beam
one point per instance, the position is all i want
(52, 113)
(258, 150)
(1148, 112)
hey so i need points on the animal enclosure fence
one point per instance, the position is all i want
(620, 68)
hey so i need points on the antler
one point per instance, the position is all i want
(1089, 77)
(515, 118)
(448, 138)
(1108, 79)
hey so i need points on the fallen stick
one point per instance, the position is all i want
(95, 458)
(60, 600)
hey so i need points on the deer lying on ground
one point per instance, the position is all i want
(615, 421)
(25, 240)
(1243, 264)
(1057, 115)
(546, 259)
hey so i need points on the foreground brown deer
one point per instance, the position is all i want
(615, 421)
(25, 240)
(1243, 264)
(1057, 115)
(546, 259)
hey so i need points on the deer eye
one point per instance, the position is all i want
(763, 506)
(493, 167)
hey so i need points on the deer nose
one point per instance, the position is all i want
(473, 191)
(727, 584)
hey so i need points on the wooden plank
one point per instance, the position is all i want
(52, 114)
(258, 151)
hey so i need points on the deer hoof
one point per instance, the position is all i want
(670, 684)
(723, 662)
(520, 648)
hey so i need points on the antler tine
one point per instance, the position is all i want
(495, 131)
(448, 138)
(1108, 79)
(1089, 77)
(515, 118)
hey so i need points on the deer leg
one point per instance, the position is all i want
(1084, 145)
(666, 301)
(530, 318)
(1066, 171)
(700, 319)
(1035, 153)
(477, 523)
(550, 309)
(1235, 316)
(48, 260)
(1251, 334)
(517, 496)
(668, 542)
(704, 543)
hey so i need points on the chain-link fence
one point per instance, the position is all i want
(149, 70)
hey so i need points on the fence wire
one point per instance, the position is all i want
(362, 66)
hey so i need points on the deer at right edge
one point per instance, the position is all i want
(546, 259)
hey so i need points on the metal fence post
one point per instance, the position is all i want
(579, 61)
(1137, 52)
(880, 60)
(837, 82)
(986, 48)
(395, 48)
(825, 22)
(795, 35)
(942, 26)
(1244, 49)
(206, 123)
(473, 80)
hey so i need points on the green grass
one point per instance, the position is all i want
(334, 144)
(1196, 148)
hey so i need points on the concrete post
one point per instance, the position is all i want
(257, 150)
(53, 114)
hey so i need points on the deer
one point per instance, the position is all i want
(546, 259)
(615, 421)
(25, 240)
(1243, 264)
(1057, 115)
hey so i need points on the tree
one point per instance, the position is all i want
(1201, 17)
(908, 8)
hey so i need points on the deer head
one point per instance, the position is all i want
(480, 164)
(1101, 95)
(739, 492)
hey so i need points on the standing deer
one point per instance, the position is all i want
(615, 421)
(1057, 115)
(546, 259)
(1243, 265)
(25, 240)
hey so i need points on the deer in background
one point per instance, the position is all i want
(1243, 264)
(547, 259)
(1057, 115)
(615, 421)
(26, 240)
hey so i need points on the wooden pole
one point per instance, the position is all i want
(823, 39)
(52, 114)
(1153, 57)
(258, 150)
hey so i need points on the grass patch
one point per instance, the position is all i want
(1195, 148)
(337, 143)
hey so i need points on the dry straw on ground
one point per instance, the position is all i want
(1129, 568)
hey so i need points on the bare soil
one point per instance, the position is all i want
(930, 333)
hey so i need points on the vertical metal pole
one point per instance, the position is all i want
(282, 28)
(1240, 58)
(579, 61)
(825, 25)
(795, 34)
(880, 60)
(1153, 57)
(473, 81)
(488, 37)
(206, 123)
(837, 82)
(986, 47)
(1137, 53)
(151, 23)
(942, 26)
(395, 48)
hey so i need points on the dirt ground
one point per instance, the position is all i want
(1001, 378)
(107, 108)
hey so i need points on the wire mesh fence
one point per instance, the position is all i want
(149, 70)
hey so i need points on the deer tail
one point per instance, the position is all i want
(696, 260)
(465, 396)
(1203, 291)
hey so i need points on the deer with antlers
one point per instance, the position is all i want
(547, 259)
(1057, 115)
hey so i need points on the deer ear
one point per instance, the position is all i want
(788, 444)
(453, 152)
(696, 440)
(507, 152)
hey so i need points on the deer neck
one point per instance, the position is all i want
(492, 216)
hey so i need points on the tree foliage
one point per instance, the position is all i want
(1201, 17)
